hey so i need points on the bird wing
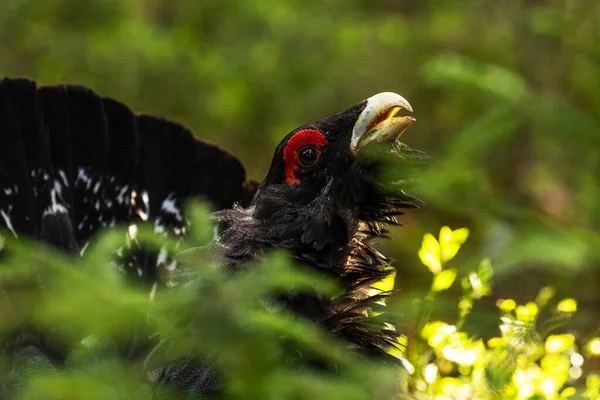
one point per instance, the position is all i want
(65, 148)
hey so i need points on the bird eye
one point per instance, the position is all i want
(308, 156)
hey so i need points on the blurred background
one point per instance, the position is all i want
(506, 94)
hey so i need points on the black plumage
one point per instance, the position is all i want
(67, 146)
(328, 219)
(72, 162)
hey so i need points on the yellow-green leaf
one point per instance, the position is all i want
(592, 386)
(431, 244)
(527, 313)
(567, 306)
(444, 280)
(496, 342)
(480, 281)
(445, 235)
(545, 294)
(430, 253)
(460, 235)
(568, 392)
(594, 346)
(436, 332)
(559, 343)
(387, 283)
(449, 250)
(450, 242)
(506, 305)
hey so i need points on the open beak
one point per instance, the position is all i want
(378, 121)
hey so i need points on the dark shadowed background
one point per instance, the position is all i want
(506, 94)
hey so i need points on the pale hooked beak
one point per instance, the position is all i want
(378, 121)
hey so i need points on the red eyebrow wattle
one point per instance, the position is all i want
(305, 137)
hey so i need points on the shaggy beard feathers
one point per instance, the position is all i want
(249, 233)
(358, 314)
(352, 314)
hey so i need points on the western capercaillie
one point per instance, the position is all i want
(72, 162)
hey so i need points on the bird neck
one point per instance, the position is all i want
(316, 234)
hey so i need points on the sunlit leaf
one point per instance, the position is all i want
(545, 294)
(444, 280)
(567, 306)
(465, 305)
(548, 387)
(430, 253)
(527, 313)
(477, 285)
(556, 367)
(445, 235)
(460, 235)
(450, 242)
(568, 392)
(449, 250)
(436, 332)
(592, 386)
(499, 372)
(387, 283)
(594, 346)
(506, 304)
(485, 272)
(430, 373)
(559, 343)
(496, 342)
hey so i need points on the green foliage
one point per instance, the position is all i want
(526, 361)
(209, 314)
(507, 98)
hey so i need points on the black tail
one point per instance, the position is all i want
(100, 164)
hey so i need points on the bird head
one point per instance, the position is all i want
(322, 184)
(321, 150)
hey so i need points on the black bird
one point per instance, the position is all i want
(72, 162)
